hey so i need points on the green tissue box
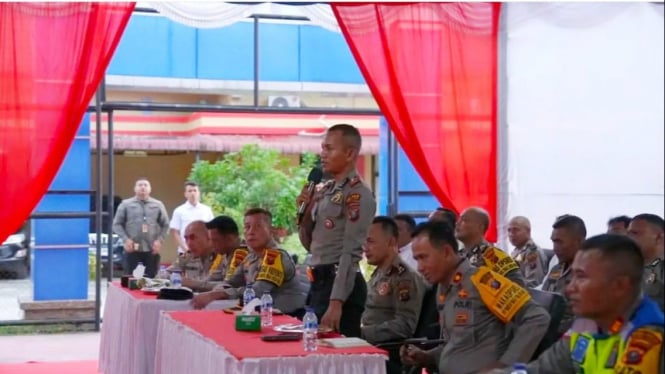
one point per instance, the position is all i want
(248, 323)
(133, 284)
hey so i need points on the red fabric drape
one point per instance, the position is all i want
(52, 58)
(432, 68)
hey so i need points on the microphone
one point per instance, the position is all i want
(314, 178)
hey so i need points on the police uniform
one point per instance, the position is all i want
(654, 276)
(342, 213)
(272, 271)
(486, 254)
(486, 318)
(556, 281)
(532, 262)
(394, 299)
(633, 347)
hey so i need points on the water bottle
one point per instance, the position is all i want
(310, 330)
(248, 295)
(162, 274)
(266, 309)
(176, 279)
(519, 368)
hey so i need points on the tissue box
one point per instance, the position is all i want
(248, 322)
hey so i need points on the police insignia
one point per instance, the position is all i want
(651, 278)
(239, 256)
(501, 296)
(353, 206)
(404, 290)
(271, 269)
(461, 318)
(337, 197)
(642, 353)
(462, 294)
(354, 181)
(383, 289)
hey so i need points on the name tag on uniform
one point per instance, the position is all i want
(144, 228)
(579, 351)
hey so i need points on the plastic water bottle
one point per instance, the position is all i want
(162, 274)
(310, 331)
(519, 368)
(248, 295)
(176, 279)
(266, 309)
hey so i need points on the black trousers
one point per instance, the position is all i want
(353, 308)
(150, 261)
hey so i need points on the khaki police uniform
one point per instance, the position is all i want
(556, 281)
(486, 254)
(271, 270)
(204, 273)
(341, 214)
(533, 263)
(486, 318)
(144, 222)
(394, 299)
(654, 278)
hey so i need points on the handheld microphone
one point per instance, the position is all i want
(313, 179)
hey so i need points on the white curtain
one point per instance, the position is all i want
(219, 14)
(584, 112)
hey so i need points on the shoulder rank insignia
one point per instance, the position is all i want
(400, 269)
(354, 181)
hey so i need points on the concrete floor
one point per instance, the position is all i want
(81, 346)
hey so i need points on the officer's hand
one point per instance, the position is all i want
(413, 356)
(202, 300)
(129, 245)
(156, 246)
(333, 315)
(304, 197)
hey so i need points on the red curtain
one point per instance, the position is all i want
(432, 68)
(52, 59)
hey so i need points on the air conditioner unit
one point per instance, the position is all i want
(284, 101)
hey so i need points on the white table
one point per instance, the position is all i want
(199, 350)
(129, 329)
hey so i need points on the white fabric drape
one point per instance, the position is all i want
(193, 353)
(585, 112)
(218, 14)
(129, 332)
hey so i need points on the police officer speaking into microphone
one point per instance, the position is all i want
(333, 228)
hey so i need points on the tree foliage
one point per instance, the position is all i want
(253, 178)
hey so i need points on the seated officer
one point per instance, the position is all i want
(195, 265)
(470, 230)
(225, 239)
(618, 329)
(395, 291)
(267, 267)
(487, 320)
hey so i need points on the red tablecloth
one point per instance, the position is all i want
(138, 294)
(220, 328)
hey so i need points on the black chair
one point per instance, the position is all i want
(555, 305)
(425, 335)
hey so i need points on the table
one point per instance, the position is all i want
(206, 342)
(129, 329)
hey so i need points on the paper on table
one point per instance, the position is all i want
(251, 307)
(344, 342)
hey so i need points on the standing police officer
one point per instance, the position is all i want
(337, 221)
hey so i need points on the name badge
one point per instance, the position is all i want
(144, 228)
(579, 351)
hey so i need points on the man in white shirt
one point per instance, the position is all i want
(406, 225)
(192, 210)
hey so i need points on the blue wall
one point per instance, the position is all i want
(62, 274)
(413, 195)
(154, 46)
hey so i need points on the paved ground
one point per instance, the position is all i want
(11, 291)
(49, 348)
